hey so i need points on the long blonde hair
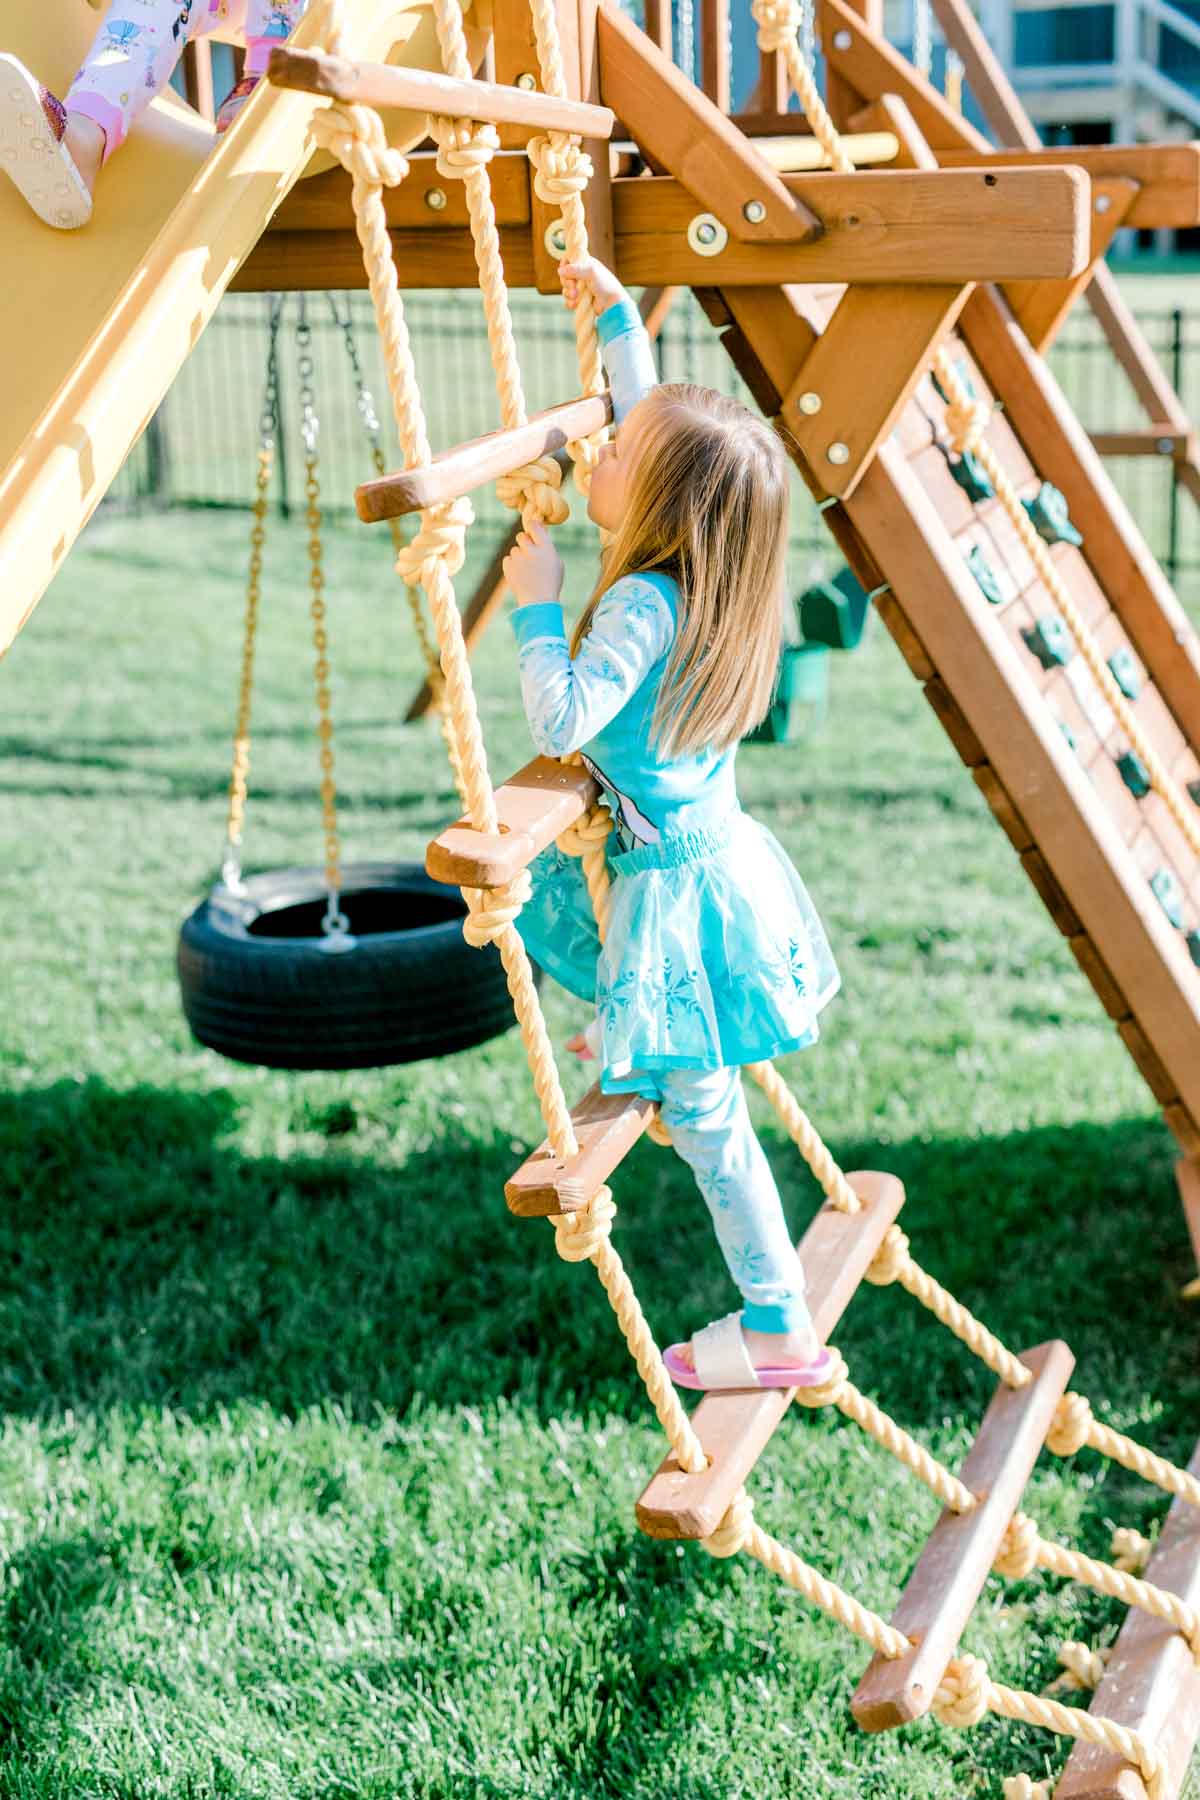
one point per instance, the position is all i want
(708, 505)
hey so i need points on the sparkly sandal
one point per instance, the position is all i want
(234, 101)
(32, 151)
(719, 1353)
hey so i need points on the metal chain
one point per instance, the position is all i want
(335, 926)
(231, 862)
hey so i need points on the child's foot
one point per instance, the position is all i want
(723, 1357)
(770, 1349)
(586, 1043)
(234, 101)
(37, 141)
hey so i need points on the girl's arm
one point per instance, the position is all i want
(624, 340)
(567, 702)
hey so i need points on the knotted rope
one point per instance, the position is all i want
(1075, 1426)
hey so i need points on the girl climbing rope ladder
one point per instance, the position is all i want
(713, 956)
(54, 149)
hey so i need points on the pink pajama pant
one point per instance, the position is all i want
(140, 41)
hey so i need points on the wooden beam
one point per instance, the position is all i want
(1152, 1683)
(716, 63)
(421, 90)
(868, 65)
(1150, 440)
(1167, 175)
(198, 77)
(658, 26)
(690, 137)
(842, 96)
(290, 260)
(425, 200)
(534, 806)
(1187, 1174)
(941, 1593)
(1041, 307)
(607, 1126)
(735, 1428)
(471, 465)
(597, 198)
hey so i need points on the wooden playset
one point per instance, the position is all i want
(885, 282)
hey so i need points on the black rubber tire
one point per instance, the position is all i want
(258, 987)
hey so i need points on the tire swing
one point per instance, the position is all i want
(341, 966)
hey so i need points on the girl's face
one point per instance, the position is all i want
(612, 477)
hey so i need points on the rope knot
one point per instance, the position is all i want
(1024, 1787)
(535, 490)
(778, 23)
(962, 1694)
(827, 1393)
(355, 135)
(580, 1236)
(560, 167)
(1130, 1550)
(463, 145)
(733, 1533)
(493, 910)
(1071, 1425)
(966, 421)
(440, 538)
(587, 833)
(890, 1259)
(1084, 1667)
(1018, 1552)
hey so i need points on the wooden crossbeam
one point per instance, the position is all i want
(421, 90)
(535, 806)
(735, 1428)
(1151, 440)
(322, 202)
(607, 1127)
(468, 466)
(1042, 307)
(1151, 1684)
(941, 1593)
(1167, 175)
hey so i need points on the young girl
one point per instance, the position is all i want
(54, 149)
(714, 956)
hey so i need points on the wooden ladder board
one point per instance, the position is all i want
(942, 1591)
(607, 1127)
(736, 1427)
(1151, 1684)
(535, 806)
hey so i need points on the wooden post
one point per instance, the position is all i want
(840, 97)
(715, 61)
(198, 77)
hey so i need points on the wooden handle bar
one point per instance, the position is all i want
(418, 90)
(484, 459)
(607, 1126)
(798, 155)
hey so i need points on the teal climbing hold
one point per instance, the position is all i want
(1134, 773)
(1193, 944)
(1050, 641)
(834, 612)
(1194, 791)
(1072, 740)
(1050, 515)
(1169, 895)
(1123, 667)
(985, 575)
(971, 477)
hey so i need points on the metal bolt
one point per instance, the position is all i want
(528, 82)
(555, 240)
(1165, 446)
(435, 199)
(706, 235)
(754, 212)
(842, 40)
(838, 453)
(1103, 202)
(809, 403)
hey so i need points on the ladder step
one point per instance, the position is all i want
(736, 1427)
(535, 806)
(948, 1579)
(418, 90)
(468, 466)
(1151, 1684)
(607, 1126)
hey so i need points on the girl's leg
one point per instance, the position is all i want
(706, 1114)
(267, 24)
(132, 58)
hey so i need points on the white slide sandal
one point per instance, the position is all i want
(722, 1362)
(32, 152)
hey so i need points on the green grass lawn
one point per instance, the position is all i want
(317, 1469)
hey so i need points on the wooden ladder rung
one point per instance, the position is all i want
(471, 465)
(736, 1427)
(948, 1579)
(534, 806)
(607, 1127)
(418, 90)
(1151, 1684)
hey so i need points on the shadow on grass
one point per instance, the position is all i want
(149, 1260)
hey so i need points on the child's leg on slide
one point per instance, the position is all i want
(132, 58)
(706, 1114)
(268, 23)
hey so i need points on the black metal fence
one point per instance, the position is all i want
(199, 449)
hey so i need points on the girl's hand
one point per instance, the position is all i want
(533, 568)
(589, 277)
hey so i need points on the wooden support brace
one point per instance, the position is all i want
(1187, 1174)
(868, 65)
(948, 1579)
(1151, 1684)
(735, 1428)
(419, 90)
(535, 806)
(607, 1126)
(472, 465)
(1150, 440)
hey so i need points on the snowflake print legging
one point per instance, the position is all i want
(140, 41)
(705, 1112)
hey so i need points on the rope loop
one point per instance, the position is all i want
(561, 167)
(463, 145)
(355, 135)
(778, 24)
(962, 1693)
(1071, 1426)
(440, 539)
(1017, 1556)
(587, 833)
(829, 1391)
(1024, 1787)
(535, 491)
(890, 1259)
(493, 910)
(1083, 1665)
(580, 1236)
(1130, 1550)
(733, 1533)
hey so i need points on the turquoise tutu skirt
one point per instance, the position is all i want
(714, 955)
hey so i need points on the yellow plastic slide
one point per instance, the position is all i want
(95, 323)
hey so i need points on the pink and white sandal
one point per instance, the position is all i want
(33, 154)
(722, 1362)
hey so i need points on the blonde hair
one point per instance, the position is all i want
(708, 505)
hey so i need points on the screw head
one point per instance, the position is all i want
(842, 40)
(838, 453)
(1165, 446)
(707, 232)
(555, 239)
(1103, 202)
(435, 199)
(754, 212)
(706, 235)
(528, 82)
(809, 404)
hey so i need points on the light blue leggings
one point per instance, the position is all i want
(705, 1112)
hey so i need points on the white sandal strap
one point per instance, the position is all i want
(720, 1356)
